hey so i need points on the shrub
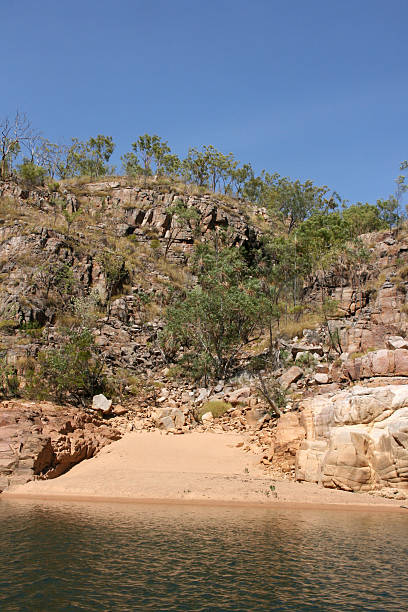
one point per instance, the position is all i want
(71, 371)
(217, 407)
(7, 326)
(9, 382)
(31, 174)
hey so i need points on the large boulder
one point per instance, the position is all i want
(168, 418)
(290, 376)
(41, 440)
(383, 362)
(356, 440)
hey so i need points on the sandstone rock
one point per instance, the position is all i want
(119, 410)
(44, 440)
(207, 417)
(257, 416)
(396, 342)
(290, 376)
(321, 378)
(239, 395)
(166, 422)
(288, 430)
(177, 417)
(358, 441)
(100, 402)
(307, 348)
(203, 394)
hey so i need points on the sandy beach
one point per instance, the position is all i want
(203, 468)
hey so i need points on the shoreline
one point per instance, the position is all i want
(272, 505)
(201, 469)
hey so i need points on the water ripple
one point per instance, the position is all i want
(76, 556)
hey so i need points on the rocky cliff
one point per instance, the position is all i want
(331, 432)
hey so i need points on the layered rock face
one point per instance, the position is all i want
(356, 440)
(43, 440)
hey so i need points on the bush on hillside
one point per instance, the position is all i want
(217, 407)
(72, 371)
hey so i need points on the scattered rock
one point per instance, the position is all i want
(321, 378)
(290, 376)
(101, 403)
(207, 417)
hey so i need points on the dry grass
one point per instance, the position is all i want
(359, 354)
(179, 275)
(376, 283)
(292, 327)
(217, 407)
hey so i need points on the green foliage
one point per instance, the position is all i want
(56, 277)
(9, 381)
(88, 158)
(85, 309)
(389, 211)
(7, 326)
(363, 218)
(217, 407)
(150, 155)
(271, 392)
(218, 316)
(114, 270)
(31, 174)
(211, 168)
(71, 372)
(181, 217)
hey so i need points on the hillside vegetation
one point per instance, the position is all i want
(107, 279)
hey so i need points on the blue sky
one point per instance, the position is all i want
(307, 88)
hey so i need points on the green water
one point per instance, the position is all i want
(76, 556)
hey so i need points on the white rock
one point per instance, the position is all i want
(100, 402)
(207, 417)
(397, 342)
(321, 378)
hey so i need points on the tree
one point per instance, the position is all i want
(14, 133)
(53, 158)
(389, 211)
(89, 158)
(295, 201)
(72, 371)
(209, 167)
(241, 176)
(30, 173)
(115, 273)
(195, 167)
(56, 277)
(363, 218)
(152, 151)
(218, 317)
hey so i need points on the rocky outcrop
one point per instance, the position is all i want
(356, 440)
(41, 440)
(378, 363)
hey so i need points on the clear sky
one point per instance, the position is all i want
(308, 88)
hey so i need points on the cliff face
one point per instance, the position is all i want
(353, 439)
(42, 440)
(356, 440)
(38, 247)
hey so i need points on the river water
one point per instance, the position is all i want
(78, 556)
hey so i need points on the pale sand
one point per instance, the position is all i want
(193, 468)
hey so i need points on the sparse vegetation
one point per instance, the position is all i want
(72, 372)
(217, 408)
(216, 301)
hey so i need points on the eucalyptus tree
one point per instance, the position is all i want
(14, 134)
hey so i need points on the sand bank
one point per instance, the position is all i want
(204, 468)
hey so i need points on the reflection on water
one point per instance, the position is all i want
(77, 556)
